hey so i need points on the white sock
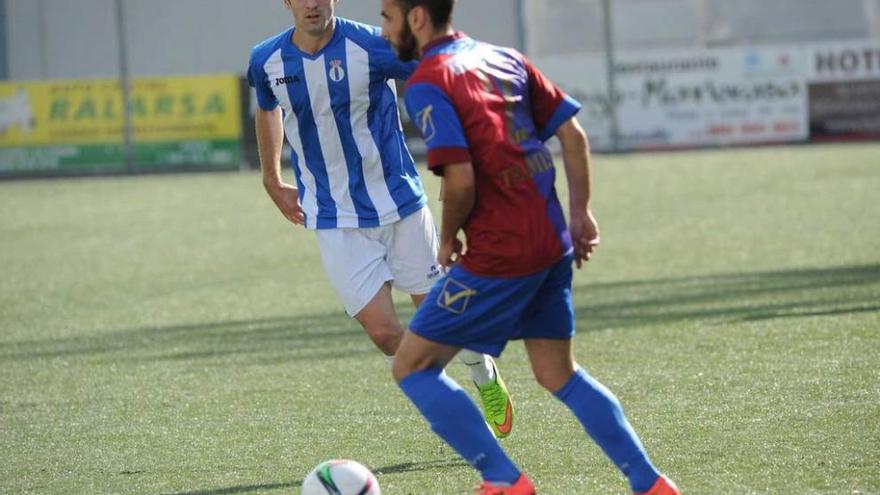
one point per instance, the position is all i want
(481, 366)
(389, 359)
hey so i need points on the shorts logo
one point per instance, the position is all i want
(434, 273)
(455, 296)
(337, 73)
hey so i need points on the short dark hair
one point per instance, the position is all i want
(440, 10)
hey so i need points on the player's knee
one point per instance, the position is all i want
(401, 368)
(406, 363)
(552, 379)
(386, 335)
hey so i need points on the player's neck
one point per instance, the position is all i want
(313, 43)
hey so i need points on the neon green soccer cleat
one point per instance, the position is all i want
(497, 405)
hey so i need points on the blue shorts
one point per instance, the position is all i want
(483, 313)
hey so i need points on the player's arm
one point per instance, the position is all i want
(458, 202)
(434, 114)
(554, 113)
(270, 138)
(383, 55)
(576, 158)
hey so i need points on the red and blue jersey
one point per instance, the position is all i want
(487, 105)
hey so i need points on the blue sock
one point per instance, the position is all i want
(600, 413)
(454, 417)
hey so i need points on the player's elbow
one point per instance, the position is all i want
(267, 116)
(458, 179)
(571, 135)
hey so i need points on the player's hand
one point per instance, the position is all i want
(584, 236)
(286, 198)
(449, 252)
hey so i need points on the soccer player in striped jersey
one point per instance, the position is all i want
(327, 85)
(485, 112)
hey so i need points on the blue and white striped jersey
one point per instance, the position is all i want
(349, 157)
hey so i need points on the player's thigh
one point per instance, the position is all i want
(550, 313)
(412, 253)
(474, 312)
(355, 264)
(547, 327)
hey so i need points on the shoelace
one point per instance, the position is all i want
(494, 398)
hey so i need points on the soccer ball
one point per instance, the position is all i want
(340, 477)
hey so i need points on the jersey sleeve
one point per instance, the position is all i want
(391, 66)
(551, 107)
(259, 80)
(434, 114)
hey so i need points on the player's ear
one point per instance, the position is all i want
(416, 18)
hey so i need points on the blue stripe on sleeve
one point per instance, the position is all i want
(568, 108)
(259, 80)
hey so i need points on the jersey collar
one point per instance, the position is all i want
(436, 45)
(290, 45)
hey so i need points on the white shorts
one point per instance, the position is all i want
(359, 261)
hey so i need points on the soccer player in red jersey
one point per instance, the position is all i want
(485, 112)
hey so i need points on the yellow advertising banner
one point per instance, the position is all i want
(90, 112)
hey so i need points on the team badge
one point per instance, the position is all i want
(337, 73)
(455, 296)
(426, 123)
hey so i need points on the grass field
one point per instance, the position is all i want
(172, 335)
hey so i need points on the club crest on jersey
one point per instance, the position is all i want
(336, 72)
(425, 121)
(455, 296)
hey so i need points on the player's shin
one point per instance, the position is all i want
(456, 419)
(602, 417)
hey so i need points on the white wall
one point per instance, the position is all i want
(71, 39)
(559, 27)
(77, 38)
(26, 48)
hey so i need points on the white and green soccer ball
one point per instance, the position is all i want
(340, 477)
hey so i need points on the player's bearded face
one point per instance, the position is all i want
(395, 29)
(407, 48)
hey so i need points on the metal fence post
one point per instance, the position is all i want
(4, 45)
(125, 84)
(521, 34)
(607, 19)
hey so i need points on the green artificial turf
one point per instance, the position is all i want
(173, 335)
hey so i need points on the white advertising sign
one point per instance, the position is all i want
(689, 98)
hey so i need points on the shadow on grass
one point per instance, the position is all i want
(405, 467)
(235, 490)
(727, 298)
(306, 337)
(713, 299)
(408, 467)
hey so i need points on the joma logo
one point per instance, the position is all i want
(286, 80)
